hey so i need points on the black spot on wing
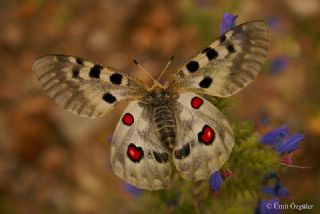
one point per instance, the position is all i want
(79, 60)
(192, 66)
(161, 157)
(210, 53)
(95, 71)
(206, 82)
(116, 78)
(230, 48)
(109, 98)
(182, 153)
(75, 73)
(222, 38)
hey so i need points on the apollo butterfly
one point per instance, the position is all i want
(165, 123)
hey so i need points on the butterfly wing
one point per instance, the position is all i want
(204, 137)
(83, 87)
(227, 65)
(137, 156)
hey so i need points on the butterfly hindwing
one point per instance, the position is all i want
(83, 87)
(204, 137)
(228, 64)
(137, 156)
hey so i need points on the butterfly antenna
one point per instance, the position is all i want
(147, 73)
(165, 68)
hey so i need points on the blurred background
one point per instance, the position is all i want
(52, 161)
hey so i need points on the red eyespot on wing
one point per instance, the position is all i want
(135, 153)
(128, 119)
(196, 102)
(207, 135)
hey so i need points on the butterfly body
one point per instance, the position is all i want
(160, 104)
(163, 125)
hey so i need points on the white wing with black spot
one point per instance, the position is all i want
(137, 156)
(204, 137)
(227, 65)
(83, 87)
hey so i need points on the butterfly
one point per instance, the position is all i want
(166, 125)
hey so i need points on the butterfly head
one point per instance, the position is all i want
(158, 96)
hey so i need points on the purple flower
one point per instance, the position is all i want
(275, 136)
(281, 142)
(228, 22)
(278, 64)
(276, 190)
(215, 181)
(132, 189)
(268, 206)
(289, 145)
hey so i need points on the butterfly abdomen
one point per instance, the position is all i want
(165, 124)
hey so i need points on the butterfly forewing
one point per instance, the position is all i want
(137, 154)
(226, 65)
(83, 87)
(204, 137)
